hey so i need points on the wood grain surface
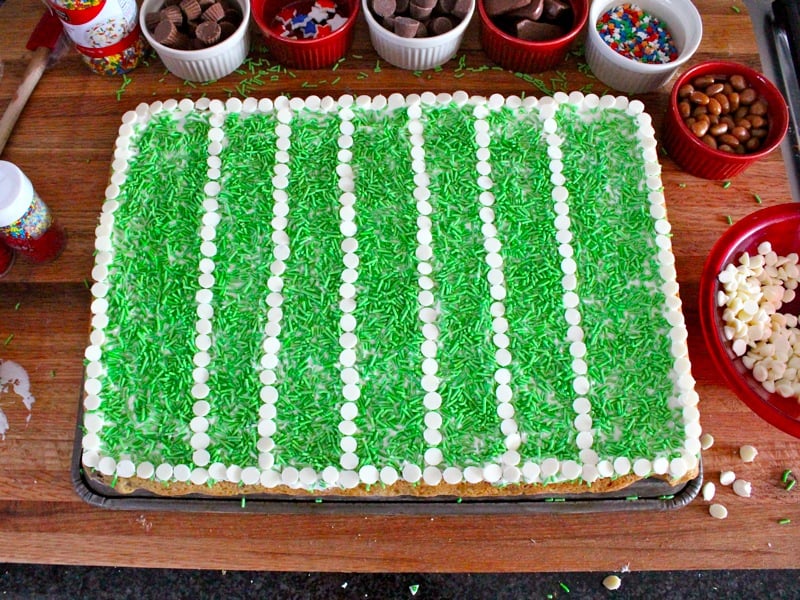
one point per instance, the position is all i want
(64, 141)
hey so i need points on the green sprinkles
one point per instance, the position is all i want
(149, 405)
(784, 521)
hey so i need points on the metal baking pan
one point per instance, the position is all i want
(648, 494)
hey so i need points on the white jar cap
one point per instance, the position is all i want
(16, 193)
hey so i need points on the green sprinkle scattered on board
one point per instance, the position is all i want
(757, 198)
(729, 219)
(564, 586)
(8, 339)
(784, 521)
(726, 185)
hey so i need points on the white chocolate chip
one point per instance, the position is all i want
(706, 441)
(612, 582)
(709, 489)
(718, 511)
(727, 477)
(742, 488)
(748, 453)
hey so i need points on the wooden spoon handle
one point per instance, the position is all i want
(32, 75)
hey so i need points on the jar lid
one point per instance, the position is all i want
(16, 193)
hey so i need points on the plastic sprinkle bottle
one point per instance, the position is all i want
(6, 259)
(26, 224)
(105, 32)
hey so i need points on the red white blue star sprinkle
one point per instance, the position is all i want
(636, 34)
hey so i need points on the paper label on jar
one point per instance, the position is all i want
(115, 20)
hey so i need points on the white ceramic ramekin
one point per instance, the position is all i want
(206, 64)
(681, 19)
(415, 54)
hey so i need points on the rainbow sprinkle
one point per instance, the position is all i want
(636, 34)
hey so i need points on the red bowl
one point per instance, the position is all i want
(779, 225)
(305, 54)
(515, 54)
(695, 157)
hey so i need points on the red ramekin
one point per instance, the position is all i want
(515, 54)
(305, 54)
(694, 156)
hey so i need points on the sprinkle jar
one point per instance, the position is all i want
(26, 223)
(105, 32)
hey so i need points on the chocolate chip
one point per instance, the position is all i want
(166, 33)
(415, 18)
(440, 25)
(208, 32)
(500, 7)
(215, 12)
(532, 11)
(534, 20)
(406, 27)
(555, 10)
(177, 22)
(535, 31)
(384, 8)
(419, 12)
(173, 14)
(191, 8)
(226, 29)
(461, 9)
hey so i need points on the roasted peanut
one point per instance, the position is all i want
(724, 112)
(714, 107)
(700, 128)
(738, 82)
(747, 96)
(698, 98)
(718, 129)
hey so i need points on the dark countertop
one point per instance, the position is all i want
(48, 581)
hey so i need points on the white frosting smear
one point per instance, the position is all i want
(14, 375)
